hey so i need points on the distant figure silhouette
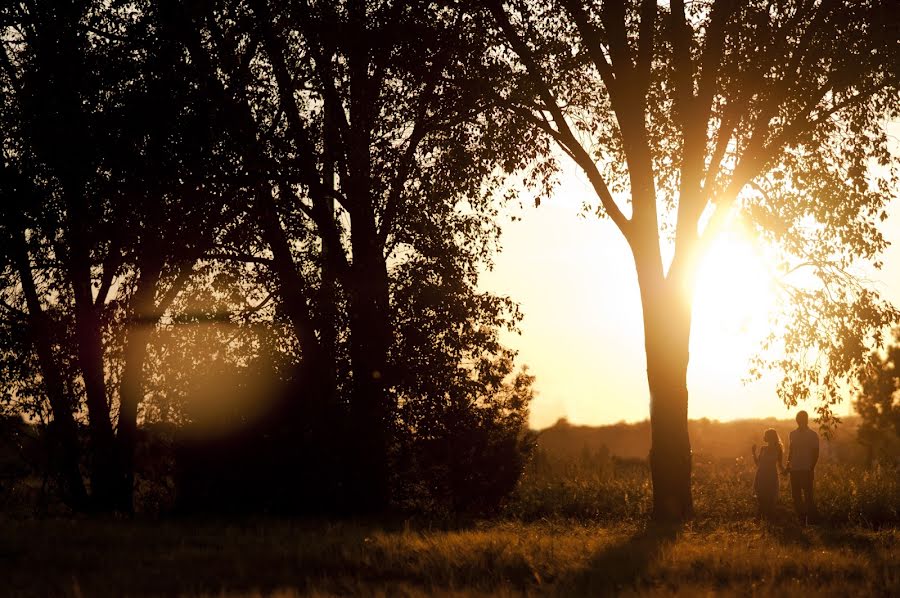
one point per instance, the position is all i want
(802, 457)
(768, 462)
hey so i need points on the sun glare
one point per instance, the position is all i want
(734, 298)
(735, 292)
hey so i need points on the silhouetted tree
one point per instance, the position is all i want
(682, 115)
(279, 209)
(105, 140)
(878, 403)
(346, 117)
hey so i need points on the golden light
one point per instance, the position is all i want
(735, 288)
(735, 296)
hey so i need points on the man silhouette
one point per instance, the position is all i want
(802, 457)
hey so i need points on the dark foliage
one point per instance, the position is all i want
(878, 404)
(224, 220)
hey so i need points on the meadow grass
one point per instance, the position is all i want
(570, 529)
(600, 489)
(292, 558)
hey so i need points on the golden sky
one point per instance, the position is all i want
(582, 334)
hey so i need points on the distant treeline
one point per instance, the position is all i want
(710, 439)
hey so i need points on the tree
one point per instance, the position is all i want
(361, 153)
(878, 403)
(462, 409)
(683, 117)
(99, 154)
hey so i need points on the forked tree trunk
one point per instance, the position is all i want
(89, 345)
(667, 322)
(90, 360)
(65, 446)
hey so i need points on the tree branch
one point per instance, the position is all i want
(582, 157)
(238, 257)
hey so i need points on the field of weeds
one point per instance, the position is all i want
(596, 488)
(570, 529)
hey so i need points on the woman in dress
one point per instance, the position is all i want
(768, 464)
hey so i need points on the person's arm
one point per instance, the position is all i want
(781, 462)
(755, 458)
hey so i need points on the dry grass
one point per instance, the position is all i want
(570, 529)
(597, 489)
(290, 558)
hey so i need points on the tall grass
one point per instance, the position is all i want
(596, 488)
(573, 527)
(54, 557)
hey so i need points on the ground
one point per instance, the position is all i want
(104, 557)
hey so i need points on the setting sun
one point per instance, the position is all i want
(735, 288)
(541, 297)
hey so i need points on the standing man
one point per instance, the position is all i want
(802, 457)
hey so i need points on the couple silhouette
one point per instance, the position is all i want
(803, 454)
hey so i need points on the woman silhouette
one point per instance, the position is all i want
(768, 462)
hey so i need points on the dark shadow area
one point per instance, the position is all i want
(788, 530)
(621, 567)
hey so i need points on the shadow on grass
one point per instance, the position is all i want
(622, 566)
(788, 531)
(784, 526)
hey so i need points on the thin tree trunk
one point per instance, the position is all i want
(328, 295)
(131, 390)
(64, 438)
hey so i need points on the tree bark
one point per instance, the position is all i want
(667, 323)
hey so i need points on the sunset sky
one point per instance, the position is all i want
(582, 335)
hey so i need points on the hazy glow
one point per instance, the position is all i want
(583, 336)
(734, 298)
(735, 293)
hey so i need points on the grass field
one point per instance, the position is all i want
(288, 558)
(570, 529)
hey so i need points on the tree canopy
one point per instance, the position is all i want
(688, 117)
(264, 221)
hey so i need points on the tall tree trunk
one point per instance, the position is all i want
(59, 49)
(90, 360)
(64, 436)
(370, 326)
(370, 340)
(667, 323)
(131, 389)
(328, 295)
